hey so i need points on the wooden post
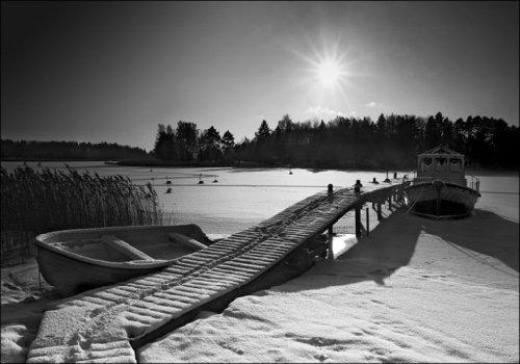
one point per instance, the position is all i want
(359, 205)
(358, 221)
(368, 221)
(330, 230)
(357, 187)
(330, 237)
(379, 215)
(330, 195)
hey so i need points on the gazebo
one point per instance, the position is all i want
(441, 163)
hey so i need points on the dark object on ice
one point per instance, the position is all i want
(441, 190)
(395, 175)
(201, 182)
(81, 259)
(168, 182)
(215, 181)
(290, 172)
(169, 190)
(375, 181)
(387, 180)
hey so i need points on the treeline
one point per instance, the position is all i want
(38, 150)
(392, 141)
(186, 144)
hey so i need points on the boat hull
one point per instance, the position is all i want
(69, 275)
(78, 269)
(441, 199)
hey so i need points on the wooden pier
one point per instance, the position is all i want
(108, 323)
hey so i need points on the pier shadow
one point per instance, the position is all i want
(392, 244)
(389, 246)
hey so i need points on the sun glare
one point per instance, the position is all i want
(329, 72)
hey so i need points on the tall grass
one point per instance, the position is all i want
(41, 201)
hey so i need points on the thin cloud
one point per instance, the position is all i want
(325, 112)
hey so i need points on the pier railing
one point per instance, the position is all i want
(474, 183)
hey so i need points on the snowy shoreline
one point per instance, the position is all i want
(414, 290)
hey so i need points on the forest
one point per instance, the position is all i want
(391, 142)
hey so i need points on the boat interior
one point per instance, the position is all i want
(132, 245)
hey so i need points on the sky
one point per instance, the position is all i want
(112, 71)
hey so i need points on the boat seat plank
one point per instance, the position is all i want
(186, 240)
(125, 248)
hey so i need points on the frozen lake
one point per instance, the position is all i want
(242, 197)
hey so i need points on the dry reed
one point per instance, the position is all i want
(41, 201)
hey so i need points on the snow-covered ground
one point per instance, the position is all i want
(414, 290)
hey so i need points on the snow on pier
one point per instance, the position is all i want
(106, 324)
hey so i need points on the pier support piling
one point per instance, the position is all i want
(330, 229)
(358, 221)
(368, 221)
(330, 253)
(379, 215)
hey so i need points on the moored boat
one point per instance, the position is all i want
(440, 189)
(81, 259)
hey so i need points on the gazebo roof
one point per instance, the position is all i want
(442, 149)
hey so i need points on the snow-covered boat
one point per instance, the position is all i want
(440, 188)
(80, 259)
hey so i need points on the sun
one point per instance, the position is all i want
(329, 72)
(326, 71)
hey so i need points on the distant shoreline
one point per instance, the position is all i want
(20, 159)
(245, 164)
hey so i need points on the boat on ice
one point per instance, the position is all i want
(81, 259)
(440, 188)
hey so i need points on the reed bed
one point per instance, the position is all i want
(38, 201)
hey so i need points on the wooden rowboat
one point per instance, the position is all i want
(81, 259)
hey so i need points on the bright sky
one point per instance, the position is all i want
(111, 71)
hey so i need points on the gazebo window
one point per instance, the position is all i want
(441, 162)
(426, 163)
(455, 164)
